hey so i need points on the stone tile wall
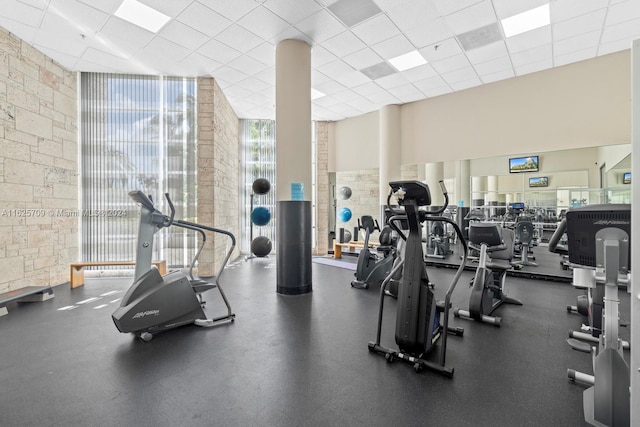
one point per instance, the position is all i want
(38, 167)
(322, 188)
(364, 199)
(218, 173)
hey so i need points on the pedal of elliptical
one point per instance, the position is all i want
(579, 345)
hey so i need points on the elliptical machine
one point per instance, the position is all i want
(420, 320)
(372, 269)
(155, 303)
(489, 281)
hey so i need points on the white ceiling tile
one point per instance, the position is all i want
(615, 46)
(394, 80)
(229, 75)
(219, 51)
(623, 12)
(27, 32)
(335, 68)
(170, 8)
(64, 59)
(362, 58)
(107, 6)
(460, 75)
(508, 8)
(343, 44)
(203, 19)
(529, 40)
(96, 56)
(574, 56)
(321, 26)
(376, 29)
(367, 88)
(292, 11)
(383, 98)
(164, 49)
(201, 64)
(540, 54)
(404, 90)
(291, 33)
(451, 64)
(474, 16)
(429, 33)
(579, 25)
(232, 9)
(245, 62)
(501, 75)
(419, 73)
(238, 91)
(353, 78)
(629, 30)
(239, 38)
(38, 4)
(447, 7)
(493, 66)
(66, 38)
(411, 14)
(184, 35)
(573, 44)
(268, 75)
(327, 101)
(321, 56)
(533, 67)
(395, 46)
(253, 84)
(346, 96)
(570, 9)
(93, 67)
(487, 53)
(264, 23)
(317, 78)
(86, 19)
(265, 53)
(442, 50)
(24, 13)
(330, 87)
(465, 84)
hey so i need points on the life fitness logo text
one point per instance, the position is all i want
(146, 313)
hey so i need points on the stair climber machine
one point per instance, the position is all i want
(420, 320)
(156, 303)
(372, 267)
(599, 246)
(495, 245)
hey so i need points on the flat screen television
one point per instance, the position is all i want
(540, 181)
(523, 164)
(626, 178)
(517, 206)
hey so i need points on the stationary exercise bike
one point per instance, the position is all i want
(599, 239)
(420, 320)
(495, 245)
(372, 268)
(439, 241)
(156, 303)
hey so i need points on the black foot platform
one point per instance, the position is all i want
(26, 294)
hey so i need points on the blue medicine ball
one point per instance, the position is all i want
(344, 214)
(260, 216)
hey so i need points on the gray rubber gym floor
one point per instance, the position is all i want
(287, 360)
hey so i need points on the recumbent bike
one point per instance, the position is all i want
(372, 268)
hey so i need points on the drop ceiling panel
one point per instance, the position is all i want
(265, 53)
(239, 38)
(170, 8)
(536, 55)
(292, 11)
(321, 26)
(487, 53)
(264, 23)
(412, 14)
(367, 88)
(474, 16)
(203, 19)
(507, 8)
(500, 75)
(529, 40)
(577, 43)
(579, 25)
(623, 12)
(184, 35)
(533, 67)
(85, 19)
(447, 7)
(572, 9)
(219, 51)
(246, 63)
(493, 66)
(441, 50)
(573, 56)
(429, 33)
(451, 64)
(343, 44)
(419, 73)
(362, 58)
(107, 6)
(375, 30)
(395, 46)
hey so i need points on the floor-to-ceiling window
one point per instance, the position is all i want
(259, 159)
(137, 133)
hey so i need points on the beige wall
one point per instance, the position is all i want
(38, 167)
(353, 143)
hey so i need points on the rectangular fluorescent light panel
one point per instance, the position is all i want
(408, 60)
(141, 15)
(315, 94)
(526, 21)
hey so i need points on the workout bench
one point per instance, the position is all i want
(26, 294)
(351, 247)
(77, 269)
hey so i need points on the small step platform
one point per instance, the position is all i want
(26, 294)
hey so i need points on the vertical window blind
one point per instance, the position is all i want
(137, 133)
(258, 139)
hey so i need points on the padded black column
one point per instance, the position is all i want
(294, 241)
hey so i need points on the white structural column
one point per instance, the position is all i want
(463, 177)
(635, 233)
(433, 174)
(293, 117)
(492, 193)
(477, 190)
(389, 149)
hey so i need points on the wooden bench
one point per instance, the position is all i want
(350, 247)
(26, 294)
(77, 269)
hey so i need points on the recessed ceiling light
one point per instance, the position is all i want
(315, 94)
(408, 60)
(526, 21)
(141, 15)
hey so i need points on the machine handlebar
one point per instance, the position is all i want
(557, 235)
